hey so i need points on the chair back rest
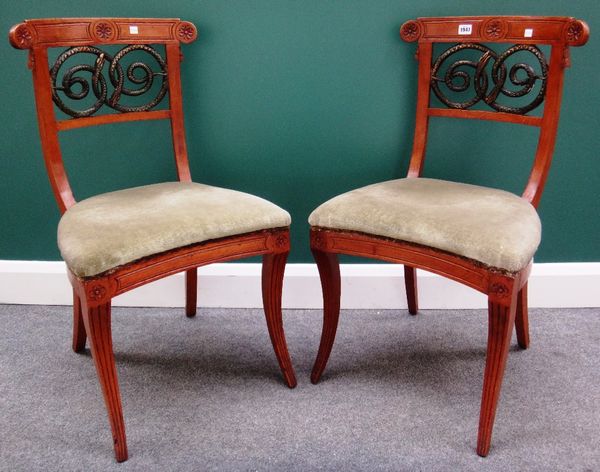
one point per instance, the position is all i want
(105, 82)
(471, 74)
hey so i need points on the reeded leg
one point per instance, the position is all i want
(191, 292)
(329, 271)
(273, 268)
(501, 322)
(97, 324)
(522, 319)
(410, 281)
(79, 336)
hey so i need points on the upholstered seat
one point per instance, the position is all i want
(494, 227)
(112, 229)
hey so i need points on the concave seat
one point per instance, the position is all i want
(491, 226)
(108, 230)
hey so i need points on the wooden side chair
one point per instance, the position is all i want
(118, 241)
(482, 237)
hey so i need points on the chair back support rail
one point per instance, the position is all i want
(89, 36)
(489, 77)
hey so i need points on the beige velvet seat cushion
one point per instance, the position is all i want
(494, 227)
(112, 229)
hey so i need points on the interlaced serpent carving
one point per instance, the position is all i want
(138, 73)
(458, 79)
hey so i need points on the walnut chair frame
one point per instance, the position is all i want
(506, 291)
(92, 295)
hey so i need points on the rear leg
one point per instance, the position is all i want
(79, 335)
(191, 292)
(522, 319)
(412, 297)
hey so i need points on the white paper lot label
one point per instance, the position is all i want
(465, 29)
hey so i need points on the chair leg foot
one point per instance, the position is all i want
(522, 319)
(79, 334)
(329, 271)
(412, 296)
(501, 322)
(97, 321)
(273, 268)
(191, 292)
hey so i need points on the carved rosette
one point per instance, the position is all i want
(103, 31)
(22, 36)
(282, 241)
(97, 292)
(317, 241)
(186, 32)
(494, 29)
(499, 290)
(576, 33)
(410, 31)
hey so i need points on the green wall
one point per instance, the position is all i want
(297, 101)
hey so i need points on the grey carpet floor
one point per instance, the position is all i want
(400, 393)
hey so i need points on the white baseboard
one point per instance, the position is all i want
(364, 286)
